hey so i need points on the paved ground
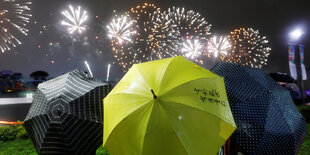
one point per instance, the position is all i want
(14, 109)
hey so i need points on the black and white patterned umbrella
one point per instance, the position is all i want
(267, 119)
(66, 116)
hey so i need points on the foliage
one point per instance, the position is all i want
(21, 132)
(7, 133)
(305, 111)
(11, 132)
(305, 147)
(102, 151)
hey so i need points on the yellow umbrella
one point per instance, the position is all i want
(169, 106)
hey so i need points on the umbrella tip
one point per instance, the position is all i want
(154, 96)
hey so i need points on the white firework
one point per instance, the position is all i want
(14, 17)
(120, 29)
(75, 19)
(192, 48)
(218, 45)
(190, 25)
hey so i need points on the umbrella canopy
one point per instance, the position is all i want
(66, 116)
(6, 72)
(294, 90)
(267, 119)
(169, 106)
(308, 92)
(281, 77)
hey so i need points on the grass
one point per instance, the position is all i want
(25, 147)
(305, 147)
(19, 146)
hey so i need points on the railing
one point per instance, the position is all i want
(6, 101)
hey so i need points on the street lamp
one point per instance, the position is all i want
(295, 36)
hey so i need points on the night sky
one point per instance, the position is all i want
(273, 18)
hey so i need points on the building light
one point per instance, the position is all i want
(29, 95)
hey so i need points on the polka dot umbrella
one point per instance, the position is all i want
(66, 116)
(266, 117)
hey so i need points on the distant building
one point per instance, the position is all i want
(15, 85)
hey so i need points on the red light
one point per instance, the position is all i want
(52, 61)
(7, 122)
(18, 85)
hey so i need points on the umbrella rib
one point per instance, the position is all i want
(129, 114)
(179, 139)
(170, 126)
(160, 83)
(176, 133)
(161, 79)
(88, 146)
(148, 122)
(282, 114)
(142, 76)
(57, 136)
(41, 136)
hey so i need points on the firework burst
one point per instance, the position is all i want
(13, 21)
(248, 48)
(137, 49)
(121, 29)
(143, 45)
(192, 49)
(218, 45)
(155, 37)
(121, 34)
(161, 34)
(166, 36)
(190, 25)
(75, 19)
